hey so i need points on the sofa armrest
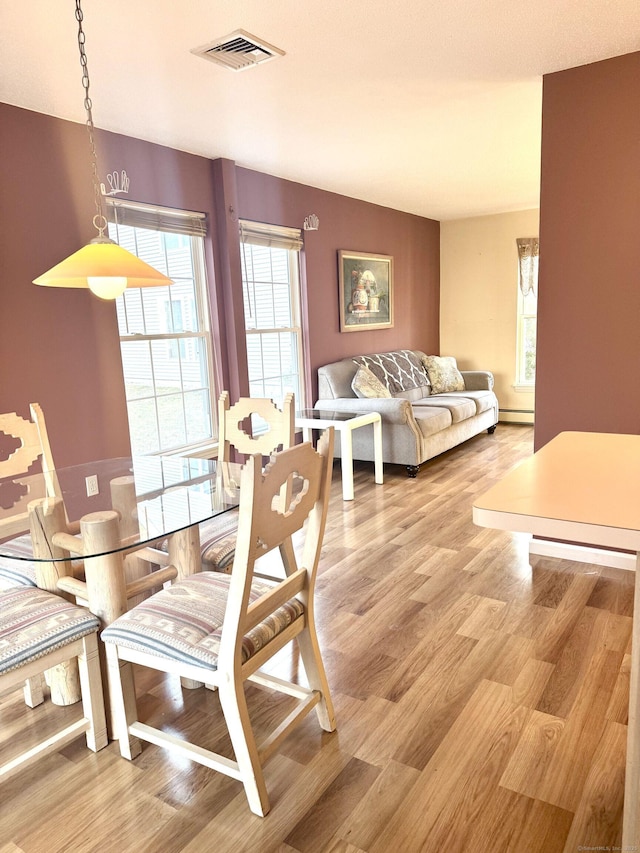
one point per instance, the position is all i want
(477, 380)
(393, 410)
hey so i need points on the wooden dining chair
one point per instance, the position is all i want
(236, 436)
(33, 445)
(39, 630)
(221, 629)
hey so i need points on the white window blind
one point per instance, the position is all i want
(139, 215)
(271, 236)
(270, 258)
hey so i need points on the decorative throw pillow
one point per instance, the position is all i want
(399, 370)
(366, 384)
(443, 373)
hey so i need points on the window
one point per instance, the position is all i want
(528, 256)
(271, 289)
(165, 340)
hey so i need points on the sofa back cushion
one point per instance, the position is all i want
(400, 371)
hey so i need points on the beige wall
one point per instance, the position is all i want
(478, 299)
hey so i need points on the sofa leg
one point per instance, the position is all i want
(492, 429)
(412, 470)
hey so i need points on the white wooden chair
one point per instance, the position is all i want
(39, 630)
(33, 445)
(220, 629)
(218, 536)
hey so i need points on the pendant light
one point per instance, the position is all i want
(102, 266)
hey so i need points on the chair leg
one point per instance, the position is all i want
(92, 697)
(34, 691)
(314, 668)
(236, 714)
(124, 711)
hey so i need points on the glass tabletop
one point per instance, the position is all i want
(326, 415)
(159, 495)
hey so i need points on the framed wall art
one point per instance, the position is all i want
(366, 291)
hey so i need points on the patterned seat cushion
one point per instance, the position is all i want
(217, 542)
(17, 572)
(34, 622)
(184, 621)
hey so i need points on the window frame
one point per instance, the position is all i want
(193, 226)
(290, 240)
(521, 382)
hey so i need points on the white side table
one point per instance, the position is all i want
(345, 423)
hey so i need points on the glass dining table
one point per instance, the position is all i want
(108, 532)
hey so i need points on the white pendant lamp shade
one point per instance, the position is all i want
(103, 267)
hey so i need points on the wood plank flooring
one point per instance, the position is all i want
(481, 702)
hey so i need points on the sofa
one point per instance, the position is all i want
(426, 404)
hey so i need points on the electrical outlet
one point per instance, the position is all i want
(92, 485)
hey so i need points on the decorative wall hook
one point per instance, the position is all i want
(118, 183)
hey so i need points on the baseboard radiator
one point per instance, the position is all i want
(516, 416)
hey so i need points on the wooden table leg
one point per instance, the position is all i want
(46, 517)
(123, 501)
(346, 449)
(184, 551)
(106, 592)
(631, 814)
(377, 451)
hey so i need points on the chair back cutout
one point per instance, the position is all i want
(280, 432)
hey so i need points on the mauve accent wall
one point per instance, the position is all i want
(59, 347)
(589, 295)
(346, 223)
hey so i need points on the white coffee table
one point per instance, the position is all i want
(345, 423)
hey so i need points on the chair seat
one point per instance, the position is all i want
(22, 572)
(17, 572)
(34, 622)
(217, 542)
(184, 622)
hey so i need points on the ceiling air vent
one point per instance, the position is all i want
(238, 51)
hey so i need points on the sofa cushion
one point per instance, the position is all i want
(367, 385)
(431, 419)
(484, 400)
(413, 394)
(400, 370)
(460, 407)
(443, 373)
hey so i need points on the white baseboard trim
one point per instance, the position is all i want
(582, 554)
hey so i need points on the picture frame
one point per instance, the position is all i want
(366, 291)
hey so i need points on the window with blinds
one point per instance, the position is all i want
(165, 339)
(270, 258)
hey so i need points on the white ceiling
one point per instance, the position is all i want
(428, 107)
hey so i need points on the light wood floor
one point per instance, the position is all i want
(481, 703)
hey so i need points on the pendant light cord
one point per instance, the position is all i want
(99, 220)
